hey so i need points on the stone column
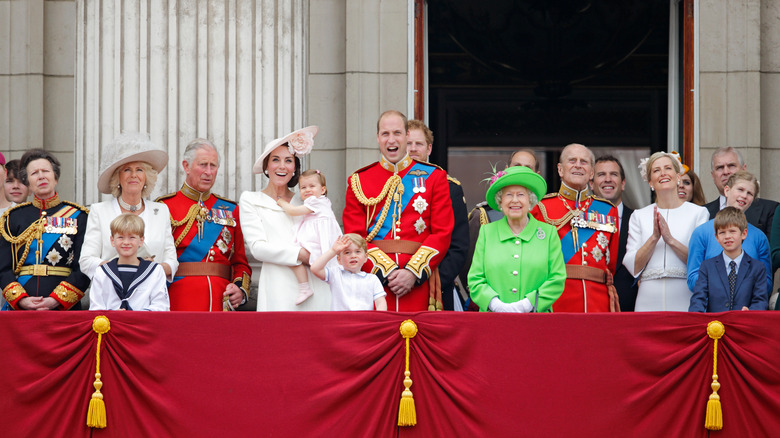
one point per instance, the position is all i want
(770, 99)
(36, 81)
(232, 71)
(730, 58)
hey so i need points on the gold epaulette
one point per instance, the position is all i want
(169, 195)
(597, 198)
(224, 199)
(550, 195)
(430, 164)
(80, 207)
(453, 180)
(23, 204)
(365, 167)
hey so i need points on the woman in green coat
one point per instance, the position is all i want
(518, 265)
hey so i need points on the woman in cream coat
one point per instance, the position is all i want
(129, 171)
(269, 232)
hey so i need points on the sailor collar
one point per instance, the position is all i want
(193, 194)
(45, 204)
(571, 194)
(396, 167)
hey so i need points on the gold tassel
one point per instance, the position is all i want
(96, 414)
(407, 416)
(714, 418)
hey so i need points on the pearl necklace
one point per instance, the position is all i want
(128, 207)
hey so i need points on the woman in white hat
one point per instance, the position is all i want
(269, 232)
(129, 171)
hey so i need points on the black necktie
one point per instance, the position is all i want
(732, 282)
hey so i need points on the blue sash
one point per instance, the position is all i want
(583, 234)
(48, 241)
(408, 182)
(197, 250)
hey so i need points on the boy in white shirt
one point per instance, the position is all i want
(350, 287)
(129, 282)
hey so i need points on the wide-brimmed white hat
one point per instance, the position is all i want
(126, 148)
(300, 143)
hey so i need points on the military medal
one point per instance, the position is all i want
(221, 216)
(540, 233)
(420, 204)
(201, 217)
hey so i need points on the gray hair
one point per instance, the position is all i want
(726, 150)
(531, 195)
(195, 145)
(149, 172)
(592, 155)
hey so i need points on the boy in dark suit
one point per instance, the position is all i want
(731, 280)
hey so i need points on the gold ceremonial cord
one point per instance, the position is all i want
(557, 223)
(192, 214)
(34, 231)
(388, 192)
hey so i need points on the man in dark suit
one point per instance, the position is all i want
(726, 161)
(609, 182)
(732, 280)
(419, 146)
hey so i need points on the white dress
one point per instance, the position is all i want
(158, 239)
(319, 229)
(663, 282)
(269, 234)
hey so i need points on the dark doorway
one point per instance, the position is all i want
(509, 74)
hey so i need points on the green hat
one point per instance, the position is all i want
(515, 176)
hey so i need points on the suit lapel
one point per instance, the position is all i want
(744, 268)
(720, 267)
(623, 236)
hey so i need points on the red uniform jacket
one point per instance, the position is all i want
(221, 243)
(594, 243)
(405, 212)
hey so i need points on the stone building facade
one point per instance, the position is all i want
(73, 73)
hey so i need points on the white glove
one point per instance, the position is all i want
(522, 306)
(496, 305)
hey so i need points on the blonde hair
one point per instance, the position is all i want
(358, 240)
(743, 175)
(318, 174)
(127, 223)
(149, 172)
(730, 216)
(656, 156)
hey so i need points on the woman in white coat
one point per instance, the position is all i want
(658, 235)
(269, 232)
(129, 169)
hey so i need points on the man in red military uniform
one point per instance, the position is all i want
(213, 272)
(588, 228)
(403, 209)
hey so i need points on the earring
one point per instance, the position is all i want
(652, 189)
(144, 185)
(265, 172)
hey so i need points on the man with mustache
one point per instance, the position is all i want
(725, 162)
(588, 228)
(403, 209)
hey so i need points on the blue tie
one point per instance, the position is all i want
(732, 282)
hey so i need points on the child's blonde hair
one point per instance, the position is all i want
(358, 240)
(312, 172)
(127, 223)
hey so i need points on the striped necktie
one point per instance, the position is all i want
(732, 282)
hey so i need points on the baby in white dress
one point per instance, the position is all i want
(319, 227)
